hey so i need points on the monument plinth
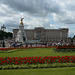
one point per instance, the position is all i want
(21, 36)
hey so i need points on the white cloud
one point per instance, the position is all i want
(37, 13)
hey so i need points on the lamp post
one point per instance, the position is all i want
(3, 28)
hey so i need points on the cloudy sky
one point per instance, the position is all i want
(51, 14)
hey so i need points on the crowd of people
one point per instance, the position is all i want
(35, 44)
(11, 43)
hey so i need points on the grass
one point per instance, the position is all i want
(35, 52)
(45, 71)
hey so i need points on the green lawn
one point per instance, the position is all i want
(36, 52)
(45, 71)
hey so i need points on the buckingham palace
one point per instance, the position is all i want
(42, 34)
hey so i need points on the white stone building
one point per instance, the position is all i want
(42, 34)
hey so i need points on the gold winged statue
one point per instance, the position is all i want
(21, 21)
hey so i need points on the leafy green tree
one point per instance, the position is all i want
(5, 34)
(74, 36)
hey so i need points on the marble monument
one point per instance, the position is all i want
(21, 36)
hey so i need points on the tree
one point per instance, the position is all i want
(74, 36)
(5, 34)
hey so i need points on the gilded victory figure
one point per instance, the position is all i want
(21, 21)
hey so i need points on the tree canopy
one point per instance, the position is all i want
(74, 36)
(4, 34)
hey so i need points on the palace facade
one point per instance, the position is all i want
(42, 34)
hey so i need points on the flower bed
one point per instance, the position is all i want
(7, 49)
(70, 48)
(34, 66)
(36, 60)
(66, 47)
